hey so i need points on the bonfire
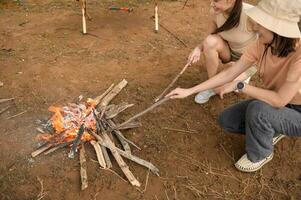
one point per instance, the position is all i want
(93, 122)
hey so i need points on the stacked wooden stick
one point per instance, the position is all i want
(102, 135)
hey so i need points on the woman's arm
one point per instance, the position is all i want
(283, 95)
(220, 79)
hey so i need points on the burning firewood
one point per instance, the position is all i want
(93, 122)
(83, 168)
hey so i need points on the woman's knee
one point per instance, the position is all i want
(257, 109)
(211, 42)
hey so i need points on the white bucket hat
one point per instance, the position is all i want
(279, 16)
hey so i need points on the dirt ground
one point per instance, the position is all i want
(45, 60)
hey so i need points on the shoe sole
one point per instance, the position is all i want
(257, 168)
(278, 139)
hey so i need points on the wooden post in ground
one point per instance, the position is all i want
(156, 19)
(83, 6)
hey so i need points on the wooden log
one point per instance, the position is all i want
(99, 154)
(143, 112)
(114, 110)
(40, 150)
(128, 155)
(139, 161)
(106, 100)
(98, 98)
(83, 168)
(106, 157)
(124, 167)
(120, 137)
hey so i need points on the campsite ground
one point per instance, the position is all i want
(45, 60)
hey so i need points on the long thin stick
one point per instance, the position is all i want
(172, 82)
(4, 109)
(143, 112)
(21, 113)
(5, 100)
(171, 33)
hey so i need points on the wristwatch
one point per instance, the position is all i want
(240, 86)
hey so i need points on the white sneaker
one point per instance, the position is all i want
(204, 96)
(245, 165)
(277, 138)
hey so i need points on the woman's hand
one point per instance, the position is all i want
(227, 88)
(179, 93)
(195, 55)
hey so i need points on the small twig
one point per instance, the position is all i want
(171, 33)
(166, 195)
(144, 190)
(179, 130)
(175, 190)
(42, 194)
(172, 82)
(185, 4)
(5, 100)
(223, 148)
(4, 109)
(21, 113)
(110, 170)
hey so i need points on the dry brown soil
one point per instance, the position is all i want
(45, 60)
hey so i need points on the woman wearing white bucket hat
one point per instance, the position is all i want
(276, 108)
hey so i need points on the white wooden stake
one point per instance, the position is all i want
(84, 22)
(84, 16)
(156, 19)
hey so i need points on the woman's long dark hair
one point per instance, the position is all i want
(280, 46)
(233, 19)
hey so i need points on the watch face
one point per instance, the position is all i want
(240, 85)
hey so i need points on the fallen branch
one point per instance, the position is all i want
(173, 82)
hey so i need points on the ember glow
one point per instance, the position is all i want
(67, 120)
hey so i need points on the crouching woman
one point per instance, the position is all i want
(275, 109)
